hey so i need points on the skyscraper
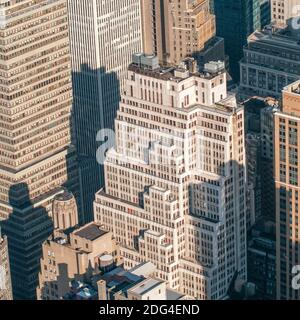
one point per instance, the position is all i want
(236, 20)
(36, 158)
(287, 179)
(175, 183)
(5, 280)
(103, 38)
(175, 29)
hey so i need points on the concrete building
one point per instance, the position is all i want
(72, 253)
(236, 20)
(103, 38)
(5, 279)
(172, 180)
(287, 144)
(271, 61)
(175, 29)
(283, 10)
(36, 157)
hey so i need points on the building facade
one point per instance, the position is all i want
(262, 259)
(265, 12)
(271, 61)
(259, 116)
(172, 179)
(287, 144)
(236, 20)
(267, 160)
(5, 279)
(103, 38)
(283, 10)
(36, 157)
(73, 257)
(175, 29)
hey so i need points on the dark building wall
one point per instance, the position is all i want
(236, 20)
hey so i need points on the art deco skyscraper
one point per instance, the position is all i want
(103, 35)
(175, 29)
(287, 179)
(5, 280)
(36, 158)
(175, 182)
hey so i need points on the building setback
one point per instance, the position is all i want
(175, 183)
(36, 157)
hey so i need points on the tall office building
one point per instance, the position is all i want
(175, 183)
(103, 38)
(175, 29)
(5, 279)
(236, 20)
(283, 10)
(287, 179)
(271, 61)
(36, 158)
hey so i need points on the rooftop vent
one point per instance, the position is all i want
(146, 61)
(214, 67)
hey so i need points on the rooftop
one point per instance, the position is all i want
(148, 66)
(144, 269)
(90, 232)
(279, 38)
(145, 286)
(65, 196)
(293, 88)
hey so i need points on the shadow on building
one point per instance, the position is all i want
(214, 50)
(27, 227)
(61, 287)
(96, 101)
(236, 20)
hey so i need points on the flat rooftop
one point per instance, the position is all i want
(90, 232)
(145, 286)
(281, 39)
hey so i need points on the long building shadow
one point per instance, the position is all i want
(27, 227)
(96, 101)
